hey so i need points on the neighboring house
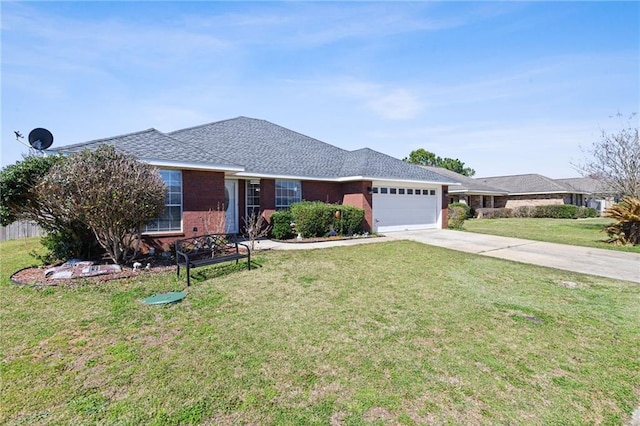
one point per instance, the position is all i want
(246, 165)
(471, 192)
(596, 193)
(532, 190)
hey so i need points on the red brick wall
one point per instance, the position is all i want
(445, 206)
(357, 194)
(267, 197)
(327, 192)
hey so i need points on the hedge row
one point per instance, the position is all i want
(554, 211)
(317, 219)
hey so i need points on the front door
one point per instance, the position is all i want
(231, 206)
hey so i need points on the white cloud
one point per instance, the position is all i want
(389, 103)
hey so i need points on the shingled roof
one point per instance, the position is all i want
(264, 148)
(467, 185)
(528, 184)
(586, 185)
(157, 148)
(257, 148)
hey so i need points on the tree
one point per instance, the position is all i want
(426, 158)
(66, 236)
(18, 199)
(615, 160)
(112, 193)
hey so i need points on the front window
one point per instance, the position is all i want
(253, 198)
(287, 193)
(171, 219)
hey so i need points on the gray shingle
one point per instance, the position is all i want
(154, 145)
(261, 148)
(266, 148)
(467, 184)
(527, 184)
(586, 185)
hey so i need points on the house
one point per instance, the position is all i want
(533, 190)
(471, 192)
(226, 170)
(597, 195)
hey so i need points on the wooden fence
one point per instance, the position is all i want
(19, 230)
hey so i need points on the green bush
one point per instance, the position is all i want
(312, 218)
(281, 225)
(586, 212)
(351, 220)
(556, 211)
(468, 211)
(498, 213)
(455, 217)
(317, 219)
(523, 211)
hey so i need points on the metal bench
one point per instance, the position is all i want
(209, 249)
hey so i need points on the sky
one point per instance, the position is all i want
(506, 87)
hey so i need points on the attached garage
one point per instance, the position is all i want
(405, 207)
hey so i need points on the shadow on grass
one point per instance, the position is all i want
(207, 273)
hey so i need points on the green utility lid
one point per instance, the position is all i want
(164, 298)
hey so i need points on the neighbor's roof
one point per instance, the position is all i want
(585, 184)
(528, 184)
(467, 185)
(266, 149)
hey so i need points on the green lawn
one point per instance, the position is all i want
(579, 232)
(384, 333)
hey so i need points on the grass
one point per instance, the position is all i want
(579, 232)
(384, 333)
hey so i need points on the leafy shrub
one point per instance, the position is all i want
(281, 225)
(312, 218)
(556, 211)
(351, 220)
(317, 219)
(626, 228)
(497, 213)
(455, 217)
(523, 211)
(586, 212)
(468, 211)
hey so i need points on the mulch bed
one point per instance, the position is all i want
(34, 276)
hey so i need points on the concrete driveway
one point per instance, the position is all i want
(599, 262)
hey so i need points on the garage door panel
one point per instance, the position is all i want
(394, 212)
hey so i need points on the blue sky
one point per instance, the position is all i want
(506, 87)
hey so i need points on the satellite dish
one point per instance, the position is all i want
(40, 139)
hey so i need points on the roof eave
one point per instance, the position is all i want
(186, 165)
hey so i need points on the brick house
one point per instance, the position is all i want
(526, 190)
(226, 170)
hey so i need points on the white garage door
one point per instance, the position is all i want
(404, 208)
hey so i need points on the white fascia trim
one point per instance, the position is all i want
(471, 192)
(191, 166)
(413, 182)
(543, 193)
(249, 175)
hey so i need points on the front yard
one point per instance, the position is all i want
(579, 232)
(384, 333)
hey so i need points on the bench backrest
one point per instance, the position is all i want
(211, 244)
